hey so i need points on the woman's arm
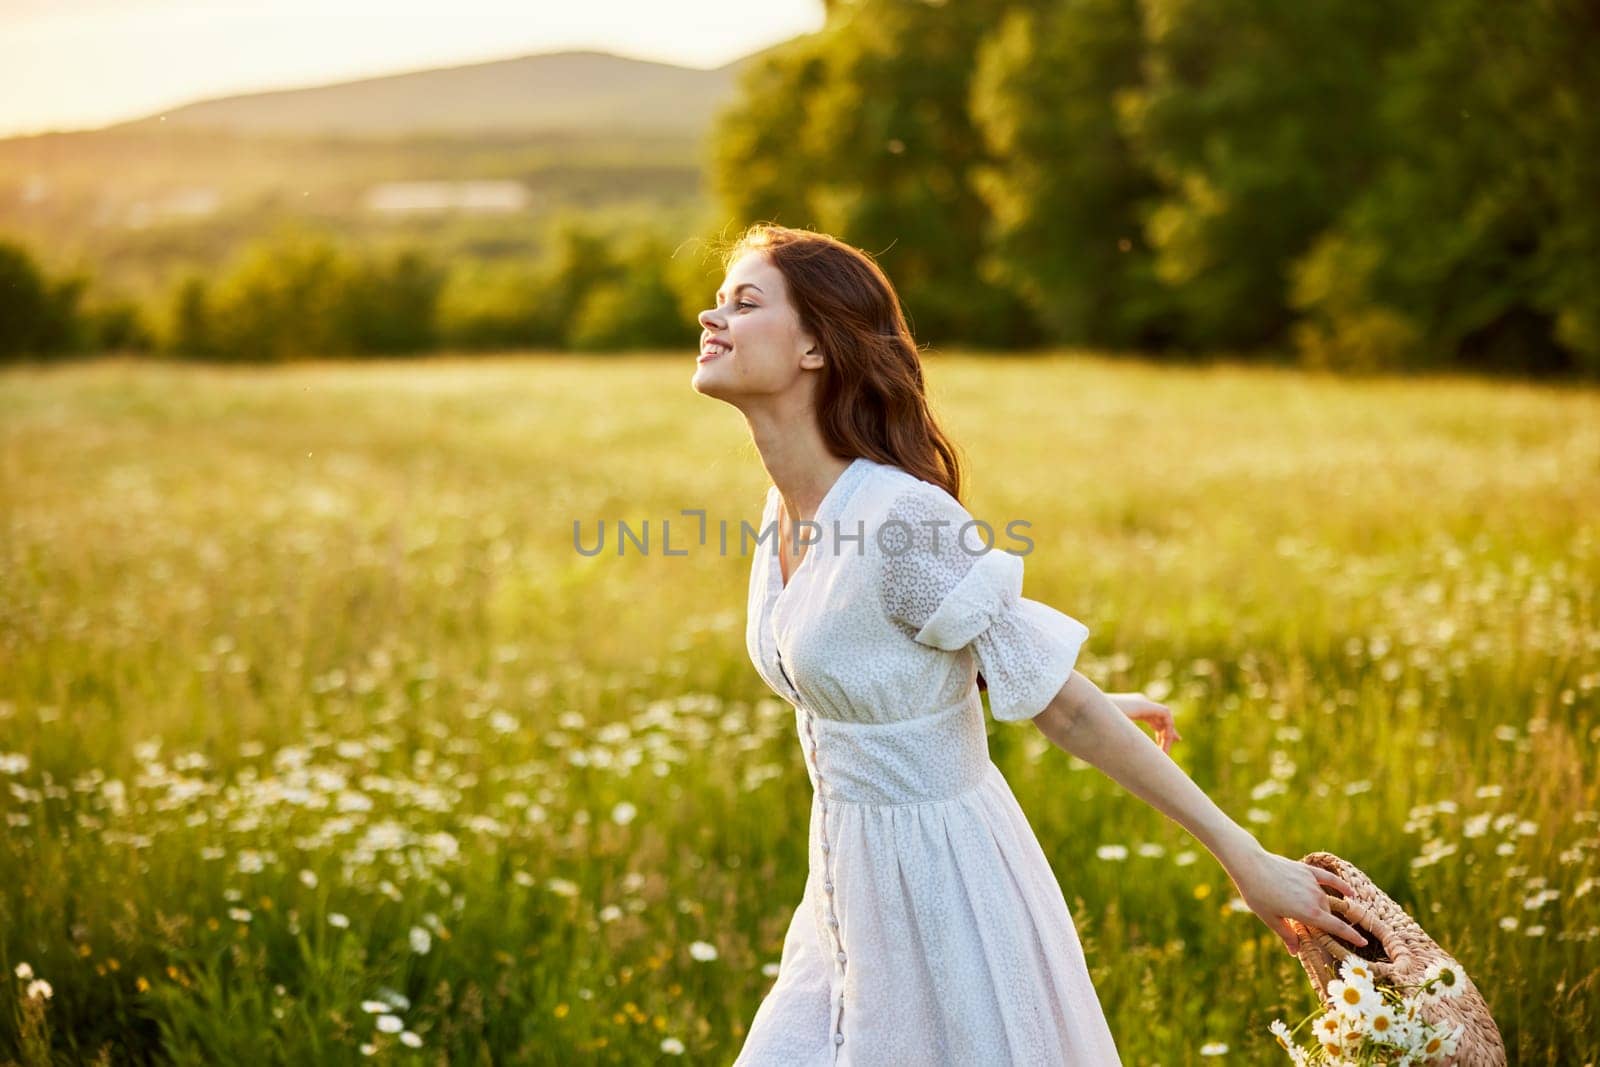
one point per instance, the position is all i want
(1085, 722)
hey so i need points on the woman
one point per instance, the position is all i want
(931, 929)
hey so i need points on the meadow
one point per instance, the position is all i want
(320, 743)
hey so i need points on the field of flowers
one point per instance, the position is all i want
(320, 743)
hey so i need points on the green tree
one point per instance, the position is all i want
(39, 316)
(191, 333)
(1066, 190)
(494, 305)
(638, 308)
(1478, 243)
(118, 324)
(390, 304)
(1261, 121)
(757, 171)
(863, 131)
(281, 300)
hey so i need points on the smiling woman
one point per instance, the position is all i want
(931, 929)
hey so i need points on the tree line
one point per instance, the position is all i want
(296, 293)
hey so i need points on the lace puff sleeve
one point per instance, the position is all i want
(943, 586)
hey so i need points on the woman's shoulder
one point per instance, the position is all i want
(894, 492)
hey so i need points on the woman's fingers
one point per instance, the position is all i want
(1327, 877)
(1286, 932)
(1337, 926)
(1159, 718)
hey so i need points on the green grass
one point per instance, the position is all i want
(314, 641)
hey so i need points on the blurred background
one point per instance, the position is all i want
(326, 328)
(1340, 185)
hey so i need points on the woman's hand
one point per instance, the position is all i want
(1158, 717)
(1277, 888)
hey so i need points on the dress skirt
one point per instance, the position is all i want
(932, 929)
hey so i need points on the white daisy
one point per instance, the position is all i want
(1353, 1000)
(1382, 1024)
(1448, 973)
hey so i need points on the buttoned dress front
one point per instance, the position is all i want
(931, 929)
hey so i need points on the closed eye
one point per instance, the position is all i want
(744, 304)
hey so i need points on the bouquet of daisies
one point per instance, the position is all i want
(1398, 999)
(1367, 1021)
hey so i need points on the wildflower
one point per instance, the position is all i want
(702, 950)
(672, 1046)
(396, 1000)
(24, 971)
(421, 940)
(41, 989)
(1352, 969)
(410, 1039)
(1213, 1048)
(239, 915)
(390, 1024)
(374, 1007)
(1112, 852)
(623, 813)
(1448, 975)
(1354, 1000)
(338, 919)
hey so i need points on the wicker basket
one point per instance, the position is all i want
(1399, 952)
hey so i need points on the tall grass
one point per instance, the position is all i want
(319, 740)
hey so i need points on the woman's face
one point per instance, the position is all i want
(752, 343)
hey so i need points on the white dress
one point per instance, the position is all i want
(932, 929)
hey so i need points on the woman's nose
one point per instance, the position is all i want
(707, 320)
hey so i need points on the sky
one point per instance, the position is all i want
(78, 64)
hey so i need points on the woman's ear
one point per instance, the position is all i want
(811, 359)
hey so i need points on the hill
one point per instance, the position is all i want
(557, 92)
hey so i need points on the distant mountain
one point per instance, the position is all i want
(583, 92)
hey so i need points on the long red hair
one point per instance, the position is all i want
(871, 399)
